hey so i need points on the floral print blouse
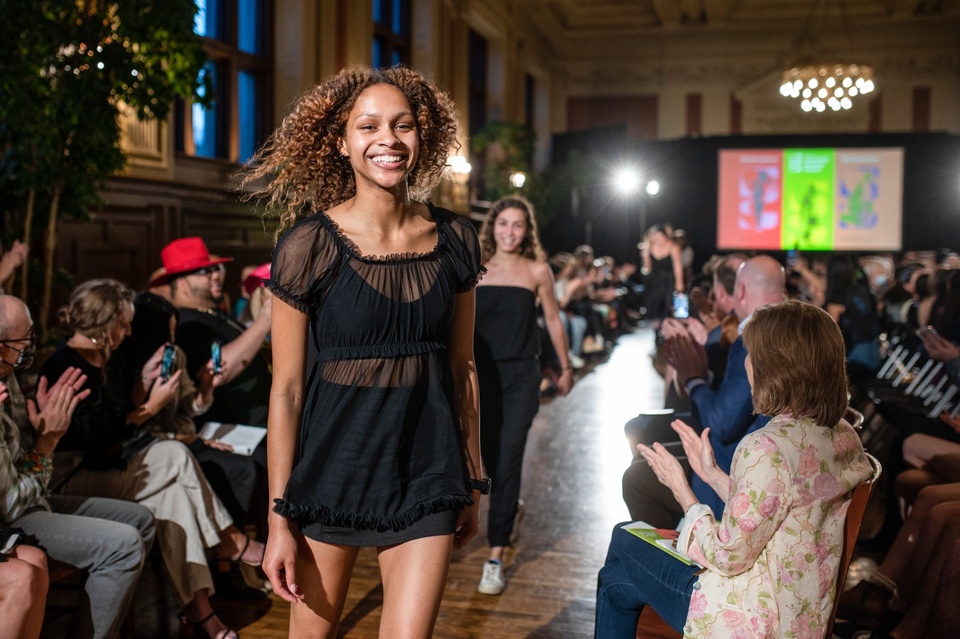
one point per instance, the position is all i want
(772, 559)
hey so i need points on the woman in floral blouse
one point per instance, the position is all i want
(771, 561)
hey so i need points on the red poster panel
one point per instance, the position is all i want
(750, 199)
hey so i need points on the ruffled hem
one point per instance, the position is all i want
(393, 258)
(286, 296)
(303, 514)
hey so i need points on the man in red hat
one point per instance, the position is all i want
(244, 395)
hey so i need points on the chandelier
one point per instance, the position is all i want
(820, 80)
(822, 86)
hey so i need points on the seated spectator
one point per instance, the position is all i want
(255, 293)
(725, 408)
(238, 480)
(770, 561)
(103, 455)
(11, 260)
(850, 303)
(107, 539)
(23, 588)
(244, 395)
(564, 287)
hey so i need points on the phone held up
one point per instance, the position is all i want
(681, 305)
(166, 364)
(215, 356)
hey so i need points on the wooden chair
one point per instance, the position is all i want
(651, 626)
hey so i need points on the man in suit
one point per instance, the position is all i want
(727, 408)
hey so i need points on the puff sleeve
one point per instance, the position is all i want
(303, 261)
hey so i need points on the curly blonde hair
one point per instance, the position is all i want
(302, 163)
(530, 247)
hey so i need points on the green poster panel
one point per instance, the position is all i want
(808, 199)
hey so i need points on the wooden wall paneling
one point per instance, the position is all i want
(638, 112)
(921, 109)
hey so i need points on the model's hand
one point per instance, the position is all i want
(688, 357)
(467, 524)
(280, 561)
(565, 382)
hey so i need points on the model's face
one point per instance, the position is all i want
(509, 229)
(381, 138)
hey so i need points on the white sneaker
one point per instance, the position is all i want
(575, 361)
(491, 583)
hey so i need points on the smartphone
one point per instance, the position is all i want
(215, 355)
(926, 330)
(166, 365)
(681, 305)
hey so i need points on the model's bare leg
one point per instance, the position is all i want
(414, 575)
(323, 574)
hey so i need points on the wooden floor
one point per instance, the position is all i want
(575, 457)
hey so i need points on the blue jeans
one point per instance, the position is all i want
(634, 575)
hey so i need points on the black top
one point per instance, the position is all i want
(506, 325)
(379, 441)
(246, 398)
(660, 286)
(98, 426)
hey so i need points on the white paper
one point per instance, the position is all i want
(244, 439)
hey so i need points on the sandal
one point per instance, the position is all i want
(191, 628)
(238, 558)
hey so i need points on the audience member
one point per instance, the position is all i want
(11, 260)
(850, 303)
(770, 561)
(238, 480)
(244, 395)
(106, 538)
(102, 454)
(726, 408)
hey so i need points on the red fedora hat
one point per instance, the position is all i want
(183, 256)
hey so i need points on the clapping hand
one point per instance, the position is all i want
(670, 473)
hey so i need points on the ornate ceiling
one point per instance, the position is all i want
(571, 26)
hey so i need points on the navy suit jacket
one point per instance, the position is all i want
(728, 411)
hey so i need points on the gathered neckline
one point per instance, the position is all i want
(391, 258)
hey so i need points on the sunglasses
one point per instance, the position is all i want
(210, 270)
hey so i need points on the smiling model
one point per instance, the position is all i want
(380, 448)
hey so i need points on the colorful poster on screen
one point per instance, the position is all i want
(750, 190)
(810, 199)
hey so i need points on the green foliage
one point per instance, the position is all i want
(66, 68)
(507, 147)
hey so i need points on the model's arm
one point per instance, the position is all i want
(466, 404)
(238, 353)
(286, 402)
(551, 314)
(676, 258)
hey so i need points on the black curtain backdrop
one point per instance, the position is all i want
(687, 171)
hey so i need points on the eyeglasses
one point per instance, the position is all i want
(23, 354)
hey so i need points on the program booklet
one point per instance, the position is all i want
(662, 538)
(244, 439)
